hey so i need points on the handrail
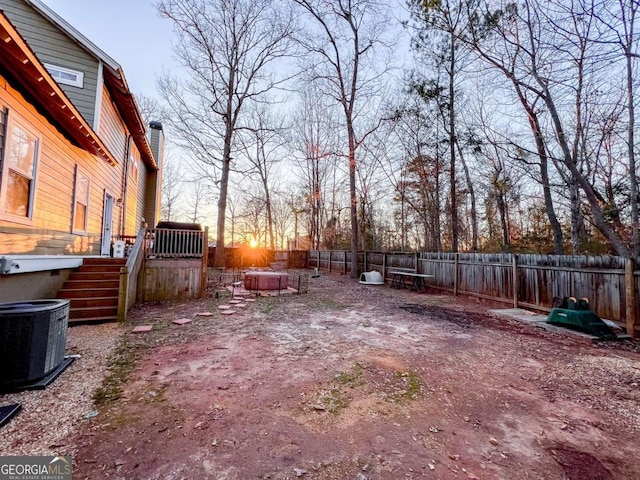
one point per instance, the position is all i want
(129, 276)
(176, 243)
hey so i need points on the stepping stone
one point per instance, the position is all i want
(204, 314)
(224, 307)
(142, 329)
(240, 305)
(233, 302)
(249, 299)
(227, 312)
(181, 321)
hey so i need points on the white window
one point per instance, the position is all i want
(65, 75)
(81, 202)
(19, 162)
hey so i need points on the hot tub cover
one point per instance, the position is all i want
(371, 278)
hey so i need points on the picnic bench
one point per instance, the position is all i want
(417, 279)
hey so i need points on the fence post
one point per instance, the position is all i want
(329, 261)
(455, 274)
(364, 268)
(123, 295)
(630, 296)
(514, 258)
(384, 266)
(205, 262)
(318, 261)
(344, 266)
(416, 262)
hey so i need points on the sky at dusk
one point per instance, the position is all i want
(129, 31)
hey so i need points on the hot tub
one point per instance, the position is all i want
(266, 281)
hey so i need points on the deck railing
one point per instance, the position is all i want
(129, 275)
(169, 243)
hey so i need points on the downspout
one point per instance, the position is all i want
(125, 183)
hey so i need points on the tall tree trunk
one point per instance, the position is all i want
(452, 149)
(502, 210)
(272, 243)
(598, 216)
(576, 217)
(568, 159)
(633, 178)
(437, 230)
(474, 212)
(534, 124)
(353, 197)
(219, 258)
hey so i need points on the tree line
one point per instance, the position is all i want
(440, 125)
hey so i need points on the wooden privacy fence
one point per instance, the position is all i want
(247, 257)
(530, 281)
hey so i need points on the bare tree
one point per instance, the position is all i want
(197, 200)
(551, 60)
(172, 190)
(343, 44)
(315, 141)
(229, 51)
(439, 26)
(620, 19)
(282, 220)
(263, 148)
(149, 108)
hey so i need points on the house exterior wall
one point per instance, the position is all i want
(153, 187)
(32, 286)
(135, 196)
(52, 46)
(111, 129)
(50, 231)
(142, 189)
(116, 137)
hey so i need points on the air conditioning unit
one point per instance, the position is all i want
(118, 249)
(33, 338)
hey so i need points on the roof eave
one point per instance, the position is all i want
(115, 78)
(19, 60)
(128, 106)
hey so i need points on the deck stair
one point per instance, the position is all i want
(93, 290)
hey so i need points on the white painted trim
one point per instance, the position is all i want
(98, 106)
(10, 264)
(78, 82)
(73, 33)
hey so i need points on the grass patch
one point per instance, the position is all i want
(326, 304)
(268, 306)
(333, 400)
(121, 362)
(351, 378)
(407, 386)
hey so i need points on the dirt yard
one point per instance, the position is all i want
(358, 382)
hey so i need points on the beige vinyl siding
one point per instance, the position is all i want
(151, 207)
(52, 46)
(53, 207)
(111, 129)
(140, 204)
(133, 194)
